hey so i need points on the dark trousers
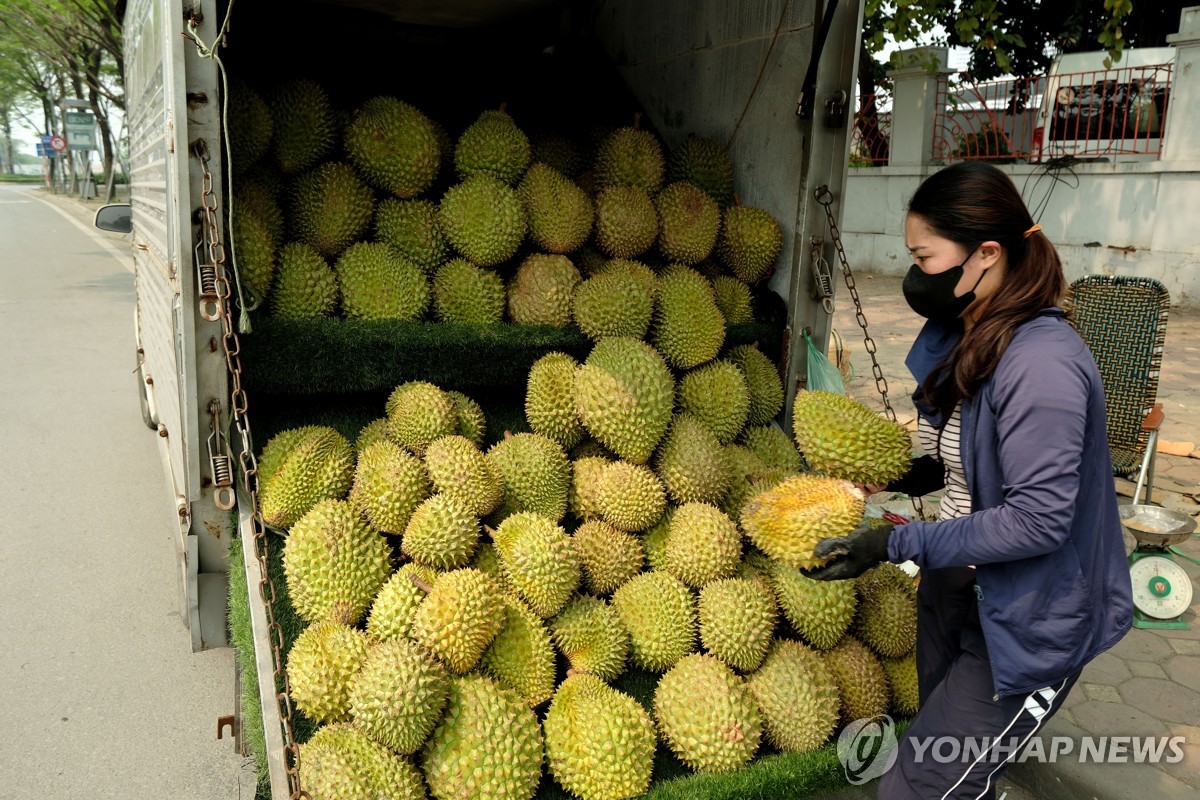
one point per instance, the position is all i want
(962, 739)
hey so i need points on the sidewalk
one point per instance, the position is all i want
(1149, 683)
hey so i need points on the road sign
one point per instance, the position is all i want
(57, 143)
(80, 129)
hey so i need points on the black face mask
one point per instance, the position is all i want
(932, 296)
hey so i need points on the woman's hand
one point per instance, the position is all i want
(871, 488)
(853, 554)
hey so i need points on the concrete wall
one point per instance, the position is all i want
(1127, 219)
(1138, 218)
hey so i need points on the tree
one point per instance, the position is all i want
(1006, 36)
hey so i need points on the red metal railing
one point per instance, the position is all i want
(1082, 114)
(870, 138)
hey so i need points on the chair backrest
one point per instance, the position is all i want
(1124, 322)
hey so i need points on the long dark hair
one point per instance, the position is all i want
(970, 203)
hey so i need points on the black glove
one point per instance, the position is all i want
(853, 554)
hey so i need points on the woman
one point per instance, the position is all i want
(1023, 577)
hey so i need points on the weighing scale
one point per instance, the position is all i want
(1162, 590)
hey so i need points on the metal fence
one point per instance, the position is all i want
(870, 139)
(1117, 112)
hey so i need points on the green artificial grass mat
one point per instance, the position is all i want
(340, 355)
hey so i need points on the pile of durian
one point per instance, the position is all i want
(470, 610)
(381, 214)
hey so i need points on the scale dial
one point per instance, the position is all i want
(1161, 589)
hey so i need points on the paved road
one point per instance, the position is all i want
(101, 694)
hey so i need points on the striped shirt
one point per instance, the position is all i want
(944, 444)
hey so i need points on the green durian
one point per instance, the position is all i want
(394, 145)
(887, 610)
(608, 557)
(378, 283)
(442, 533)
(321, 668)
(624, 394)
(304, 125)
(716, 395)
(689, 221)
(798, 698)
(539, 559)
(550, 402)
(389, 484)
(691, 463)
(458, 469)
(629, 496)
(472, 424)
(492, 145)
(334, 563)
(763, 381)
(535, 472)
(521, 656)
(630, 157)
(688, 327)
(483, 219)
(750, 242)
(582, 499)
(342, 762)
(659, 612)
(463, 292)
(703, 545)
(705, 163)
(736, 622)
(541, 291)
(707, 715)
(773, 447)
(330, 208)
(398, 695)
(820, 611)
(626, 222)
(861, 681)
(412, 227)
(419, 414)
(733, 299)
(589, 633)
(255, 253)
(458, 618)
(613, 303)
(902, 680)
(395, 606)
(300, 467)
(250, 126)
(305, 285)
(560, 214)
(842, 438)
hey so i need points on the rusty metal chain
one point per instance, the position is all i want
(825, 198)
(215, 250)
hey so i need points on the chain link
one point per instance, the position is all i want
(215, 250)
(825, 198)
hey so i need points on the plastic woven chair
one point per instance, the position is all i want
(1124, 322)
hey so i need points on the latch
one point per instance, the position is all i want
(835, 109)
(822, 275)
(220, 461)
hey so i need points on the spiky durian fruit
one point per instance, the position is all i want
(582, 499)
(492, 145)
(750, 242)
(261, 201)
(629, 496)
(458, 469)
(599, 741)
(788, 520)
(341, 761)
(255, 253)
(630, 157)
(374, 431)
(549, 399)
(688, 327)
(521, 656)
(419, 414)
(442, 533)
(654, 542)
(589, 633)
(691, 463)
(398, 695)
(643, 274)
(733, 298)
(590, 260)
(458, 618)
(626, 221)
(560, 214)
(540, 561)
(471, 422)
(377, 283)
(707, 715)
(797, 696)
(304, 124)
(389, 484)
(887, 610)
(689, 221)
(394, 145)
(608, 557)
(558, 152)
(762, 379)
(487, 747)
(305, 285)
(703, 545)
(613, 303)
(535, 472)
(745, 470)
(412, 227)
(842, 438)
(483, 219)
(736, 622)
(820, 611)
(624, 394)
(487, 561)
(463, 292)
(541, 291)
(659, 612)
(250, 126)
(861, 681)
(300, 467)
(396, 604)
(902, 680)
(321, 667)
(331, 207)
(773, 447)
(335, 564)
(704, 163)
(716, 394)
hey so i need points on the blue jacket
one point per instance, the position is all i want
(1052, 577)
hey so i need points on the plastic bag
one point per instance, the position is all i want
(823, 376)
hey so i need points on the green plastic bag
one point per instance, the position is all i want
(823, 376)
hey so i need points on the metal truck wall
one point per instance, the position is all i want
(168, 330)
(733, 71)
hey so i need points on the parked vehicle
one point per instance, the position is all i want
(716, 69)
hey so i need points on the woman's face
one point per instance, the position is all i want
(934, 254)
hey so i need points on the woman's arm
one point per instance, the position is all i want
(926, 476)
